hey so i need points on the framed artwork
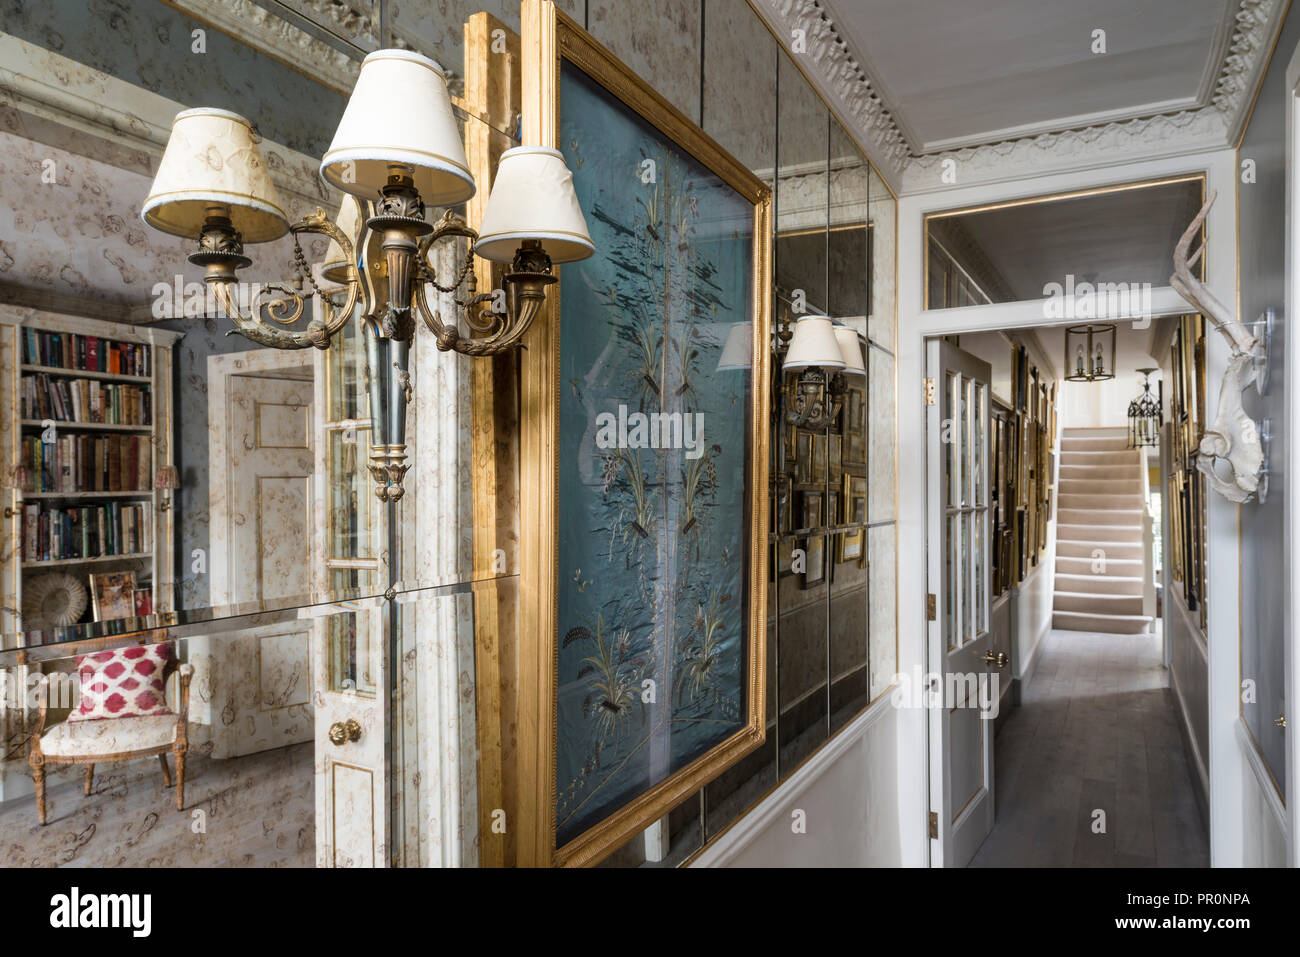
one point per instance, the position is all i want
(817, 472)
(668, 523)
(835, 456)
(814, 545)
(851, 546)
(143, 602)
(854, 428)
(112, 595)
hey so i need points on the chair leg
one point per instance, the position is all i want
(180, 780)
(90, 779)
(38, 775)
(167, 774)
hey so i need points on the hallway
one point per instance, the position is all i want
(1097, 729)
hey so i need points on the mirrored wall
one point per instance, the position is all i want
(831, 642)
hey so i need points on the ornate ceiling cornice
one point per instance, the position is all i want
(849, 87)
(843, 81)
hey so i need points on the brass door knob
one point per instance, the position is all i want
(999, 660)
(1280, 721)
(345, 731)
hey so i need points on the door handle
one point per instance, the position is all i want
(1280, 721)
(999, 660)
(345, 731)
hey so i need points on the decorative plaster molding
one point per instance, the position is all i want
(856, 98)
(841, 79)
(51, 99)
(252, 24)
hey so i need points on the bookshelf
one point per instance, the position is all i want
(86, 422)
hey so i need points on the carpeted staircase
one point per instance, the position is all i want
(1099, 534)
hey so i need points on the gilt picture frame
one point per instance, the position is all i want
(572, 500)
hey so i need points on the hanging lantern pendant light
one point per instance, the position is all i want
(1144, 415)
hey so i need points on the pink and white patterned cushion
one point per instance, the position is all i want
(123, 683)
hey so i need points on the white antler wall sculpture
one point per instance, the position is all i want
(1233, 437)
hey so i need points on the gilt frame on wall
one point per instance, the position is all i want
(560, 59)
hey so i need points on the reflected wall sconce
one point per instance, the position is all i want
(1144, 414)
(396, 149)
(1090, 352)
(823, 355)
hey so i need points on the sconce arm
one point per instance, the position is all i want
(289, 309)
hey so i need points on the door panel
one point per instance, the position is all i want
(957, 432)
(259, 682)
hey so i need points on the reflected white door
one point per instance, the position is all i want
(352, 787)
(963, 677)
(260, 417)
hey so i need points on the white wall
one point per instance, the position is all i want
(1032, 609)
(849, 800)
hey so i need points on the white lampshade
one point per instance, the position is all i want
(851, 350)
(814, 344)
(533, 198)
(335, 266)
(738, 352)
(399, 114)
(212, 159)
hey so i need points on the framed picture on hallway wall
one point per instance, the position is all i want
(645, 466)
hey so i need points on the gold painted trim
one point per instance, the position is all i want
(550, 37)
(1070, 194)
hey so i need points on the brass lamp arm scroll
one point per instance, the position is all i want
(289, 309)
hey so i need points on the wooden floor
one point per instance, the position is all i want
(1097, 730)
(253, 811)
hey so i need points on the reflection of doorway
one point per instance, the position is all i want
(260, 472)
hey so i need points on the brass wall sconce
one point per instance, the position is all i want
(823, 355)
(1087, 358)
(396, 149)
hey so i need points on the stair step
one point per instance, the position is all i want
(1102, 500)
(1091, 549)
(1089, 473)
(1102, 584)
(1101, 458)
(1106, 564)
(1101, 431)
(1127, 517)
(1108, 624)
(1075, 443)
(1101, 486)
(1087, 604)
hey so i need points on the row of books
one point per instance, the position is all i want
(87, 463)
(114, 528)
(85, 400)
(64, 350)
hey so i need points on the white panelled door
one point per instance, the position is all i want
(962, 668)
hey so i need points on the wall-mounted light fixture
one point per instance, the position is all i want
(822, 355)
(1090, 352)
(396, 149)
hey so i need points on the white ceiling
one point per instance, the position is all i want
(955, 73)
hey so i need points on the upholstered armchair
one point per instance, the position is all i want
(102, 740)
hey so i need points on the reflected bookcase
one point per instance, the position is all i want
(86, 445)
